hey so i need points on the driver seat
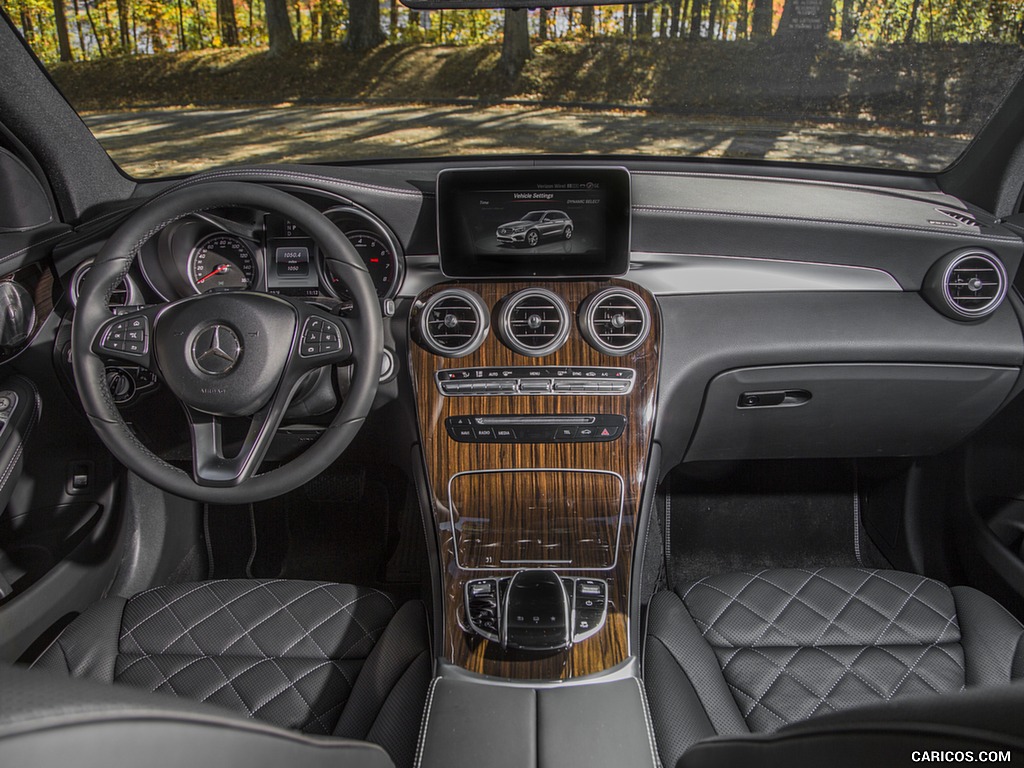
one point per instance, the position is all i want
(321, 658)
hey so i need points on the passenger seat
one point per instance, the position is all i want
(754, 652)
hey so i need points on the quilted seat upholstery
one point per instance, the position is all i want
(752, 652)
(330, 659)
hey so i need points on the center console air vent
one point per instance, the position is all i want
(124, 294)
(454, 322)
(967, 285)
(535, 322)
(615, 320)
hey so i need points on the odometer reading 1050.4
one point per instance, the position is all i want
(222, 262)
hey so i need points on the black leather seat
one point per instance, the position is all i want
(751, 653)
(327, 659)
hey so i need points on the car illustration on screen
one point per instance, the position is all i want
(535, 226)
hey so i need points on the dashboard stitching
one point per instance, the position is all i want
(294, 176)
(32, 246)
(832, 222)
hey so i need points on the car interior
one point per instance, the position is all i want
(307, 464)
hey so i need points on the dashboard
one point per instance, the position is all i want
(689, 316)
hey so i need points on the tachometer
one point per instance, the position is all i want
(377, 248)
(222, 262)
(378, 257)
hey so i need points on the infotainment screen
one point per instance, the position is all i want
(533, 222)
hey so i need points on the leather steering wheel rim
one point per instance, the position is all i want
(92, 317)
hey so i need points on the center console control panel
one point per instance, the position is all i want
(534, 380)
(556, 428)
(536, 610)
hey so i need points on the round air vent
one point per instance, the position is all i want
(454, 322)
(535, 322)
(967, 285)
(124, 295)
(615, 320)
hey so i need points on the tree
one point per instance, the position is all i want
(122, 24)
(587, 19)
(696, 18)
(63, 38)
(761, 29)
(227, 23)
(279, 27)
(515, 43)
(912, 24)
(364, 30)
(676, 8)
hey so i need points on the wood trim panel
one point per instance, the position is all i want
(527, 504)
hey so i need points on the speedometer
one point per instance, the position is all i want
(222, 262)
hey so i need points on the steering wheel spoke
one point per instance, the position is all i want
(212, 466)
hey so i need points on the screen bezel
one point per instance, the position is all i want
(453, 182)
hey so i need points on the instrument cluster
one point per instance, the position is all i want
(242, 249)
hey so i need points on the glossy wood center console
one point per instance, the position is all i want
(494, 515)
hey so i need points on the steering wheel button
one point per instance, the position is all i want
(134, 347)
(135, 336)
(327, 347)
(136, 322)
(114, 345)
(310, 349)
(314, 324)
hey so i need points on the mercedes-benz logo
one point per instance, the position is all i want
(216, 350)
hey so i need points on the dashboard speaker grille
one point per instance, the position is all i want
(535, 322)
(454, 322)
(615, 321)
(974, 284)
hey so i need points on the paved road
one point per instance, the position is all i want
(165, 141)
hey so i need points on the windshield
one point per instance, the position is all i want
(175, 86)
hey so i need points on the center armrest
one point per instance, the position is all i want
(472, 721)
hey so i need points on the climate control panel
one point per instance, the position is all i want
(535, 380)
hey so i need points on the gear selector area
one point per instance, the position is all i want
(536, 610)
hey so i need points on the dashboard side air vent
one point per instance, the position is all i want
(124, 294)
(615, 320)
(535, 322)
(961, 216)
(454, 322)
(967, 285)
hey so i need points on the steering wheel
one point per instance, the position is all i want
(227, 355)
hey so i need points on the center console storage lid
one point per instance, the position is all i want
(472, 721)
